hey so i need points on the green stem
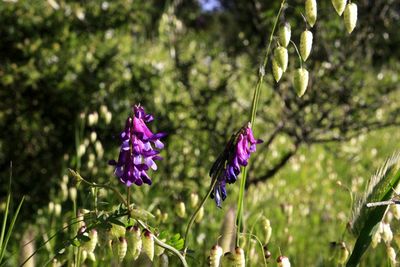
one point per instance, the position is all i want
(166, 246)
(128, 199)
(119, 195)
(254, 104)
(298, 54)
(194, 215)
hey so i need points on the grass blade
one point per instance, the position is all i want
(379, 189)
(9, 231)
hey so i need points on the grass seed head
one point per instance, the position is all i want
(339, 6)
(350, 17)
(281, 57)
(311, 12)
(306, 41)
(300, 81)
(284, 34)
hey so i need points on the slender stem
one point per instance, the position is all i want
(119, 195)
(254, 104)
(166, 246)
(128, 198)
(194, 215)
(298, 54)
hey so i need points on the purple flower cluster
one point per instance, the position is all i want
(137, 154)
(227, 167)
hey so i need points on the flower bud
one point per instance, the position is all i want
(181, 209)
(350, 17)
(134, 241)
(267, 229)
(276, 70)
(200, 215)
(239, 257)
(300, 81)
(148, 244)
(311, 12)
(283, 261)
(339, 6)
(194, 200)
(284, 34)
(281, 57)
(306, 40)
(215, 256)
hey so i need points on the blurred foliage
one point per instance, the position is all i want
(63, 62)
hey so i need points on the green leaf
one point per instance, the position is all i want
(380, 188)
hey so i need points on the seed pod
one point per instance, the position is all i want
(134, 242)
(92, 243)
(339, 6)
(148, 244)
(350, 17)
(239, 258)
(306, 40)
(392, 255)
(283, 261)
(284, 34)
(311, 12)
(200, 215)
(343, 253)
(267, 229)
(276, 70)
(119, 248)
(181, 209)
(281, 57)
(300, 81)
(194, 200)
(215, 256)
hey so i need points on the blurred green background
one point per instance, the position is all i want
(71, 70)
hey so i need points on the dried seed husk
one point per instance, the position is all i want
(281, 57)
(350, 17)
(284, 34)
(339, 6)
(306, 40)
(311, 12)
(300, 81)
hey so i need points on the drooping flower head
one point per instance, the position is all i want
(227, 166)
(138, 150)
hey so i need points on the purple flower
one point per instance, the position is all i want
(227, 167)
(138, 153)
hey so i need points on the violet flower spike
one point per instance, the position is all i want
(228, 165)
(138, 151)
